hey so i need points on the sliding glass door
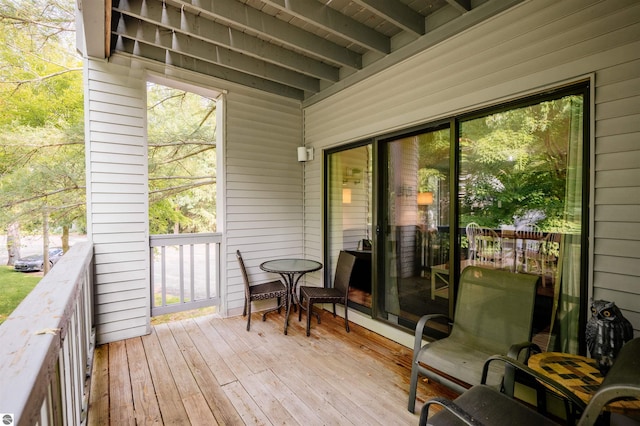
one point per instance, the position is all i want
(349, 218)
(414, 237)
(503, 188)
(521, 205)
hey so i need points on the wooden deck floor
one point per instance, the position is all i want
(210, 370)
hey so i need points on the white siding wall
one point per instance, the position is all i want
(117, 198)
(260, 186)
(536, 45)
(264, 212)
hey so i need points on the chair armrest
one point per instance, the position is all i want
(449, 406)
(517, 348)
(509, 378)
(577, 404)
(420, 331)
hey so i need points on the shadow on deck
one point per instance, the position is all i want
(209, 370)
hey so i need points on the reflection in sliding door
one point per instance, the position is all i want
(414, 276)
(349, 217)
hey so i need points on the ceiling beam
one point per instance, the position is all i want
(240, 15)
(156, 54)
(320, 15)
(397, 13)
(93, 31)
(150, 34)
(460, 5)
(200, 27)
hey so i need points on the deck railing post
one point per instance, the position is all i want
(47, 347)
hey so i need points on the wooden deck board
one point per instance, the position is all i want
(210, 370)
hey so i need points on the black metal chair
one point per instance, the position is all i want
(270, 290)
(339, 293)
(483, 404)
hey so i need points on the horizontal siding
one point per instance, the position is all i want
(531, 47)
(263, 186)
(117, 199)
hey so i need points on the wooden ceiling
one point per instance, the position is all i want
(303, 49)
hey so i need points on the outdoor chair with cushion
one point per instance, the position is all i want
(483, 404)
(269, 290)
(337, 294)
(493, 315)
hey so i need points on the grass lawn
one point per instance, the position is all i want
(14, 286)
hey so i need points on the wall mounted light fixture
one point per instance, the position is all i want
(425, 198)
(346, 195)
(305, 154)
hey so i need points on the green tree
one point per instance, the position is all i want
(182, 161)
(515, 164)
(41, 128)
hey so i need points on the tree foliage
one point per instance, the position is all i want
(182, 161)
(42, 165)
(514, 164)
(41, 128)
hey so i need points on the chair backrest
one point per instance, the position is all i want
(472, 230)
(245, 277)
(494, 308)
(488, 246)
(343, 271)
(622, 381)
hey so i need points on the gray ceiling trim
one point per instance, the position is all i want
(396, 12)
(333, 21)
(303, 49)
(430, 39)
(249, 19)
(145, 32)
(172, 18)
(142, 50)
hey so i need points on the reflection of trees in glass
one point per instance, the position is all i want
(433, 171)
(514, 165)
(182, 162)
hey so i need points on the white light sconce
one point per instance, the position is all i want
(305, 154)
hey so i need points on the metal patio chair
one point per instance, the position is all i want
(486, 405)
(494, 314)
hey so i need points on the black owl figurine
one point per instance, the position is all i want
(607, 330)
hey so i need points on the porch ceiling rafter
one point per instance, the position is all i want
(179, 43)
(303, 49)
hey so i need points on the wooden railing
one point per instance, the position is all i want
(185, 272)
(46, 347)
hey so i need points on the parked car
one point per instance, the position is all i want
(35, 262)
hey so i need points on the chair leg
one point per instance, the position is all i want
(346, 317)
(309, 307)
(244, 311)
(300, 310)
(287, 311)
(413, 387)
(248, 303)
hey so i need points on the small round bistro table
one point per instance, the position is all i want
(291, 270)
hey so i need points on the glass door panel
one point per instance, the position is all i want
(349, 218)
(414, 270)
(521, 202)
